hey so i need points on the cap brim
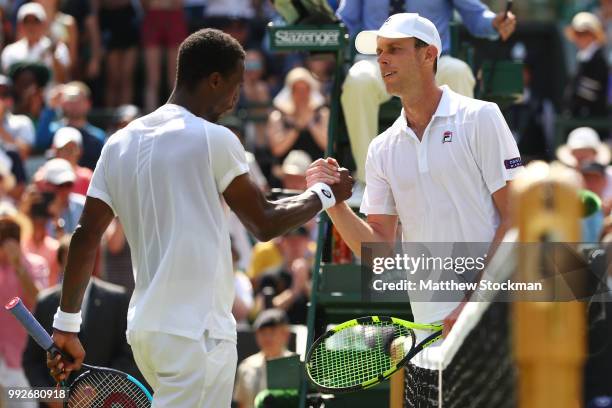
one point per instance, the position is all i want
(365, 42)
(63, 178)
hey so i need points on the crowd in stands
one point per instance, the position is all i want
(73, 72)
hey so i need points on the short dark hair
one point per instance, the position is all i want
(9, 229)
(204, 52)
(422, 44)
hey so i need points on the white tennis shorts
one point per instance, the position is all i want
(186, 373)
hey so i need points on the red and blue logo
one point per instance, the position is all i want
(447, 137)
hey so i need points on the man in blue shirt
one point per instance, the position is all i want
(364, 90)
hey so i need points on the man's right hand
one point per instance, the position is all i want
(70, 344)
(323, 171)
(344, 188)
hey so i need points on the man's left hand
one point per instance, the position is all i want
(451, 319)
(505, 26)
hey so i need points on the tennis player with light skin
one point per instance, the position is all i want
(442, 169)
(165, 176)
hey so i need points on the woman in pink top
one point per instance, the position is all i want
(21, 274)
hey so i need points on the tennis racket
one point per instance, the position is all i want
(96, 387)
(363, 352)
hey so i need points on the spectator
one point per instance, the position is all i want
(117, 257)
(587, 92)
(35, 205)
(35, 46)
(89, 48)
(583, 145)
(16, 131)
(269, 258)
(255, 95)
(243, 297)
(163, 29)
(230, 16)
(120, 26)
(58, 178)
(294, 170)
(21, 274)
(29, 82)
(364, 90)
(75, 105)
(280, 270)
(102, 334)
(62, 28)
(272, 336)
(67, 145)
(124, 114)
(7, 180)
(582, 151)
(300, 121)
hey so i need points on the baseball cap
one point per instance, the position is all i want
(402, 25)
(58, 171)
(296, 163)
(65, 135)
(31, 9)
(270, 318)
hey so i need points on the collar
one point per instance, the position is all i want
(446, 107)
(586, 54)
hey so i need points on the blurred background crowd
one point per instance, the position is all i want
(72, 72)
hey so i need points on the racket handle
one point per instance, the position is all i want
(38, 333)
(508, 8)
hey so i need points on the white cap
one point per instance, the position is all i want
(65, 135)
(402, 25)
(584, 138)
(58, 171)
(32, 9)
(296, 163)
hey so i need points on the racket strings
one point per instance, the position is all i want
(355, 355)
(105, 389)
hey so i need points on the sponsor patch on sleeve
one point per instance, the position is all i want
(513, 163)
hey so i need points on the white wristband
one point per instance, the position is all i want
(68, 322)
(325, 194)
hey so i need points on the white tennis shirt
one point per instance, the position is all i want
(441, 187)
(163, 176)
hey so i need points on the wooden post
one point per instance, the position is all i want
(549, 337)
(396, 391)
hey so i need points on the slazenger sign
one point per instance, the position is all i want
(316, 38)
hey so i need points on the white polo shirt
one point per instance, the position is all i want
(441, 187)
(163, 176)
(20, 51)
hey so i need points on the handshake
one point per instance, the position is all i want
(328, 171)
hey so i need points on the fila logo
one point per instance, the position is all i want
(447, 137)
(326, 193)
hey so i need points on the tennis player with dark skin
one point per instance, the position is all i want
(213, 95)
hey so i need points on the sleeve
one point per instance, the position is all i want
(25, 131)
(378, 197)
(240, 393)
(62, 54)
(495, 149)
(349, 11)
(227, 156)
(99, 188)
(477, 18)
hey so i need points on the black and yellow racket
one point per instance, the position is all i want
(363, 352)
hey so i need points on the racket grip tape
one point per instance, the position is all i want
(29, 322)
